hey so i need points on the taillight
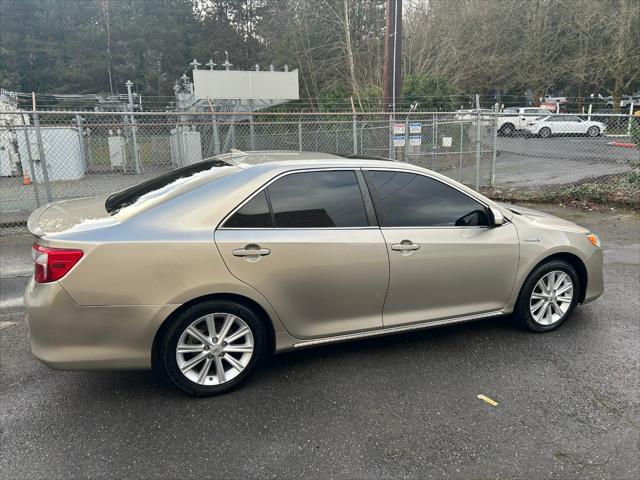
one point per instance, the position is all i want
(52, 264)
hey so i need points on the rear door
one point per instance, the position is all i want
(445, 261)
(529, 115)
(309, 244)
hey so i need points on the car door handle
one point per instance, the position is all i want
(405, 246)
(251, 252)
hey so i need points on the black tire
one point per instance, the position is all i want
(593, 131)
(544, 132)
(166, 364)
(507, 130)
(522, 311)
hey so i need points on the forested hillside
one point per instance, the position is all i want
(504, 47)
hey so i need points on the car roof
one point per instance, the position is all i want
(292, 158)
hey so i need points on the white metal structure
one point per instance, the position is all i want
(117, 152)
(186, 147)
(62, 151)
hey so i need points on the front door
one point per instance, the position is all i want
(445, 259)
(307, 244)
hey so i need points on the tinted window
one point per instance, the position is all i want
(318, 199)
(254, 214)
(410, 200)
(127, 197)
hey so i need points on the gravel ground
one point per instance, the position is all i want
(401, 406)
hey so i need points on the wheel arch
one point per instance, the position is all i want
(507, 125)
(233, 297)
(573, 260)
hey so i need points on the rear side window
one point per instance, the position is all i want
(254, 214)
(409, 200)
(323, 199)
(318, 200)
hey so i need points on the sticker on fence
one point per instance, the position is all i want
(415, 140)
(399, 128)
(415, 127)
(447, 141)
(398, 140)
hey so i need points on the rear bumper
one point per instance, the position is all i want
(65, 335)
(595, 281)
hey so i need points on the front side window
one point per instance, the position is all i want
(322, 199)
(410, 200)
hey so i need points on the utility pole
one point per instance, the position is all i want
(392, 55)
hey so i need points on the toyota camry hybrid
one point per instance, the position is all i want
(203, 272)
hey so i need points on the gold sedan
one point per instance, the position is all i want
(204, 271)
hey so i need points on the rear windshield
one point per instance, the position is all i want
(129, 196)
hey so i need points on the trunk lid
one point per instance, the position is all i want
(66, 214)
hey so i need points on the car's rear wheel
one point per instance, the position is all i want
(545, 132)
(507, 130)
(212, 347)
(548, 296)
(593, 131)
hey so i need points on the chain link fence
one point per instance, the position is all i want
(50, 156)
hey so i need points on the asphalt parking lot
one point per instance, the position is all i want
(402, 406)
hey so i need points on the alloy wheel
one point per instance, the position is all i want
(215, 349)
(545, 132)
(551, 298)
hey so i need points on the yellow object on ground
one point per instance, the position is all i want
(490, 401)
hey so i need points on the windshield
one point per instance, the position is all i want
(129, 196)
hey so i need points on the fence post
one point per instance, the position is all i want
(43, 160)
(630, 119)
(83, 153)
(477, 180)
(300, 134)
(461, 133)
(216, 134)
(392, 148)
(494, 152)
(355, 134)
(406, 139)
(34, 180)
(136, 147)
(252, 141)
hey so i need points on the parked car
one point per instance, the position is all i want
(516, 119)
(564, 124)
(203, 272)
(625, 102)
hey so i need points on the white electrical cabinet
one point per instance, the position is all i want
(117, 152)
(5, 160)
(186, 147)
(62, 152)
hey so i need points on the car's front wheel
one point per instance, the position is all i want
(548, 296)
(212, 347)
(593, 131)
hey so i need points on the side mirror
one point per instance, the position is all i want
(496, 217)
